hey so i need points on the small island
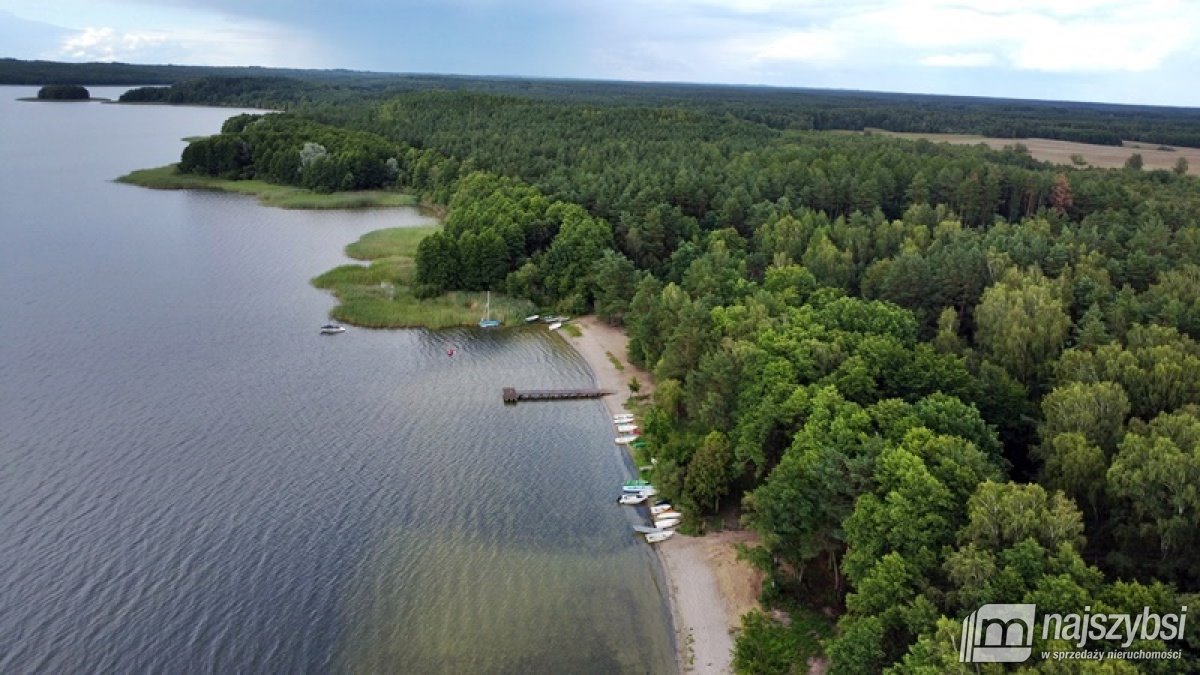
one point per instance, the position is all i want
(63, 92)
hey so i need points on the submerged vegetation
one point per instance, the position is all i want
(929, 377)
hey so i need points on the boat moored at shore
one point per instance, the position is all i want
(656, 537)
(636, 485)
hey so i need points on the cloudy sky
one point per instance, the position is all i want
(1128, 51)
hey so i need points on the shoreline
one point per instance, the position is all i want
(268, 194)
(708, 589)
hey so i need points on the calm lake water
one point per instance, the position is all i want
(193, 480)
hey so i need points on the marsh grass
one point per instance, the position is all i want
(392, 242)
(395, 306)
(270, 194)
(381, 295)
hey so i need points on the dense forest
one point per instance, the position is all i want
(773, 107)
(930, 377)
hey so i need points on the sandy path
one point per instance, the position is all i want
(709, 588)
(597, 342)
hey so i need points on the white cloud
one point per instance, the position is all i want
(105, 44)
(1065, 36)
(806, 46)
(247, 44)
(1056, 36)
(959, 60)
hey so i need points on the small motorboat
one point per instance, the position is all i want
(532, 318)
(660, 508)
(556, 325)
(623, 418)
(667, 523)
(627, 428)
(624, 440)
(646, 529)
(655, 537)
(332, 329)
(633, 498)
(664, 515)
(636, 485)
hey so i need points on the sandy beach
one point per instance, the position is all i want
(709, 587)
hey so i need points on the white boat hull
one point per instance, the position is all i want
(666, 523)
(660, 508)
(656, 537)
(624, 440)
(627, 428)
(632, 499)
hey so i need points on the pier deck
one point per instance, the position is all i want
(513, 395)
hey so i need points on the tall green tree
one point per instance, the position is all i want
(1021, 324)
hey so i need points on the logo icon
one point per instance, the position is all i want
(998, 634)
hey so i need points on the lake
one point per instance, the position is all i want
(192, 479)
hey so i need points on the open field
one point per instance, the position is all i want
(270, 194)
(1059, 152)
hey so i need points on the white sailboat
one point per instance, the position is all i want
(487, 321)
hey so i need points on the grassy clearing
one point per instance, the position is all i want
(572, 330)
(380, 295)
(392, 242)
(395, 306)
(270, 194)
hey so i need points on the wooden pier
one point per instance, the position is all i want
(512, 395)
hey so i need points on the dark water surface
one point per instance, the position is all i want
(193, 480)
